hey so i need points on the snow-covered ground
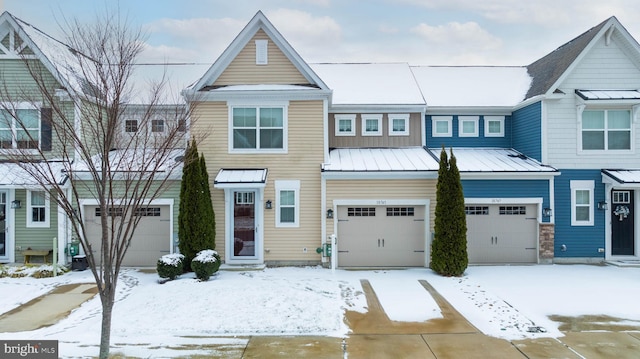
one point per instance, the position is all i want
(501, 301)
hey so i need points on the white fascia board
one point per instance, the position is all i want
(508, 175)
(419, 108)
(473, 110)
(506, 200)
(311, 94)
(337, 175)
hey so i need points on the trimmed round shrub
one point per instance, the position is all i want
(205, 263)
(170, 265)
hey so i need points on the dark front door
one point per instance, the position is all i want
(622, 231)
(244, 224)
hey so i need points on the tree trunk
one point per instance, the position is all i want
(105, 334)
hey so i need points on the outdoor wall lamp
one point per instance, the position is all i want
(15, 204)
(546, 212)
(602, 205)
(329, 213)
(268, 204)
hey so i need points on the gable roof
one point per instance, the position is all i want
(258, 22)
(549, 71)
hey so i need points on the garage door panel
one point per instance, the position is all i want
(381, 236)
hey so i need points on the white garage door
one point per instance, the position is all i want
(151, 239)
(502, 233)
(381, 236)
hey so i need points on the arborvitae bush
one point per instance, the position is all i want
(170, 266)
(449, 247)
(205, 264)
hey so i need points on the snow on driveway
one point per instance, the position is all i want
(501, 301)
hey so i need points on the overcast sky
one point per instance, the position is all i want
(420, 32)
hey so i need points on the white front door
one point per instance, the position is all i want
(4, 238)
(244, 231)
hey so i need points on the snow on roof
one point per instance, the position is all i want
(623, 176)
(370, 83)
(473, 86)
(380, 160)
(241, 176)
(15, 174)
(608, 94)
(132, 160)
(493, 160)
(177, 76)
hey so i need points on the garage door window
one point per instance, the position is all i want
(476, 210)
(513, 210)
(361, 212)
(111, 212)
(148, 212)
(400, 211)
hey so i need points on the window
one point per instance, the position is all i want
(371, 125)
(476, 210)
(441, 126)
(513, 210)
(258, 128)
(244, 198)
(37, 209)
(400, 211)
(608, 130)
(361, 212)
(468, 126)
(148, 212)
(131, 126)
(493, 126)
(345, 125)
(287, 203)
(19, 128)
(582, 203)
(182, 125)
(111, 212)
(398, 125)
(157, 125)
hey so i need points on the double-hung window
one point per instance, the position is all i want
(20, 128)
(258, 128)
(582, 203)
(606, 130)
(131, 126)
(157, 126)
(287, 203)
(37, 209)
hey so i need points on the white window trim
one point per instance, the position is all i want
(285, 126)
(464, 119)
(23, 106)
(369, 116)
(47, 211)
(351, 118)
(434, 122)
(398, 116)
(288, 185)
(488, 119)
(582, 186)
(581, 108)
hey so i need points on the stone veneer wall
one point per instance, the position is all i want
(547, 237)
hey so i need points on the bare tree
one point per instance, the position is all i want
(83, 93)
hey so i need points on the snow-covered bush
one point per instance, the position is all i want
(205, 263)
(170, 265)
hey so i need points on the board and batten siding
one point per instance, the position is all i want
(604, 67)
(410, 189)
(413, 139)
(580, 241)
(526, 130)
(302, 162)
(34, 238)
(476, 141)
(244, 71)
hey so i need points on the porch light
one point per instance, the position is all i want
(15, 204)
(268, 204)
(329, 213)
(602, 205)
(546, 212)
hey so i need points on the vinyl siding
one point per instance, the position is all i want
(527, 130)
(604, 67)
(302, 162)
(581, 241)
(243, 69)
(480, 141)
(382, 190)
(508, 189)
(36, 238)
(383, 141)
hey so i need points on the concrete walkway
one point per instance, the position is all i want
(373, 335)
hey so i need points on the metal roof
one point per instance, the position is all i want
(380, 160)
(22, 174)
(241, 176)
(623, 175)
(608, 94)
(492, 160)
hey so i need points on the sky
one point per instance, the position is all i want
(420, 32)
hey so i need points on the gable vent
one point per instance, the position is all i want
(262, 55)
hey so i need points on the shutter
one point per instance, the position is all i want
(45, 128)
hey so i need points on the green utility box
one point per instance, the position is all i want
(74, 248)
